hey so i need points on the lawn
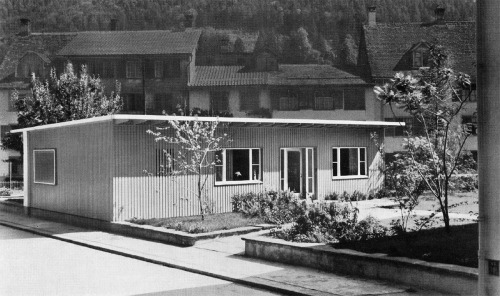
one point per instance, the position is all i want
(435, 245)
(193, 224)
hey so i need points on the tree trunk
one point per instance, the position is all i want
(200, 200)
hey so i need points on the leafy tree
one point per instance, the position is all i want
(435, 97)
(239, 47)
(64, 98)
(197, 142)
(300, 49)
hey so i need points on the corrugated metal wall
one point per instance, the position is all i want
(84, 169)
(137, 194)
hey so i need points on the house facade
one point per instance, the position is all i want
(386, 49)
(159, 74)
(96, 167)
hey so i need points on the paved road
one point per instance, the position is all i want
(36, 265)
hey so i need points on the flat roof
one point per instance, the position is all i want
(125, 119)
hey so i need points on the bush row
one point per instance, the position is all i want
(330, 223)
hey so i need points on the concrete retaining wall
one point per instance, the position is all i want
(424, 275)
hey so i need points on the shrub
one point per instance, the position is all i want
(332, 196)
(275, 207)
(337, 223)
(5, 191)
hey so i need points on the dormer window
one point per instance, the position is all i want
(420, 56)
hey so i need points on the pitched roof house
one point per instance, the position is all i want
(386, 49)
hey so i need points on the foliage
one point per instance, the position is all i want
(5, 191)
(197, 142)
(433, 97)
(331, 20)
(182, 111)
(64, 98)
(299, 50)
(336, 223)
(239, 47)
(272, 206)
(345, 196)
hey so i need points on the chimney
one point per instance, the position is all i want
(190, 18)
(25, 29)
(439, 12)
(113, 24)
(372, 16)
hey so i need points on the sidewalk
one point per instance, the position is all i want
(220, 258)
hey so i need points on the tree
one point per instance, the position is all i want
(197, 142)
(300, 49)
(64, 98)
(435, 97)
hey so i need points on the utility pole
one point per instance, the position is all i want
(488, 89)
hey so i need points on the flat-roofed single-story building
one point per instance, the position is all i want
(96, 167)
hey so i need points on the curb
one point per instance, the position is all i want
(254, 282)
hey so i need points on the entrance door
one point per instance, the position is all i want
(296, 172)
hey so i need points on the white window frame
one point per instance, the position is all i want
(34, 166)
(250, 162)
(358, 176)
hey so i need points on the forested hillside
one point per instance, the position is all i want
(327, 24)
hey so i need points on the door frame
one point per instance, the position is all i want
(305, 191)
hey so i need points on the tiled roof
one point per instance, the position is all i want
(387, 45)
(312, 74)
(227, 76)
(131, 43)
(43, 44)
(286, 75)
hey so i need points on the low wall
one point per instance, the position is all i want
(158, 234)
(419, 274)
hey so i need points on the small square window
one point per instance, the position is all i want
(44, 166)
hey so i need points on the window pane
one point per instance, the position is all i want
(44, 166)
(219, 101)
(255, 156)
(237, 165)
(282, 160)
(255, 172)
(334, 155)
(348, 161)
(335, 169)
(309, 162)
(362, 170)
(310, 185)
(361, 154)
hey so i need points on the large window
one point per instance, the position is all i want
(44, 166)
(134, 69)
(238, 165)
(219, 101)
(349, 162)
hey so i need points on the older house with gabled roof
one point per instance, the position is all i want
(386, 49)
